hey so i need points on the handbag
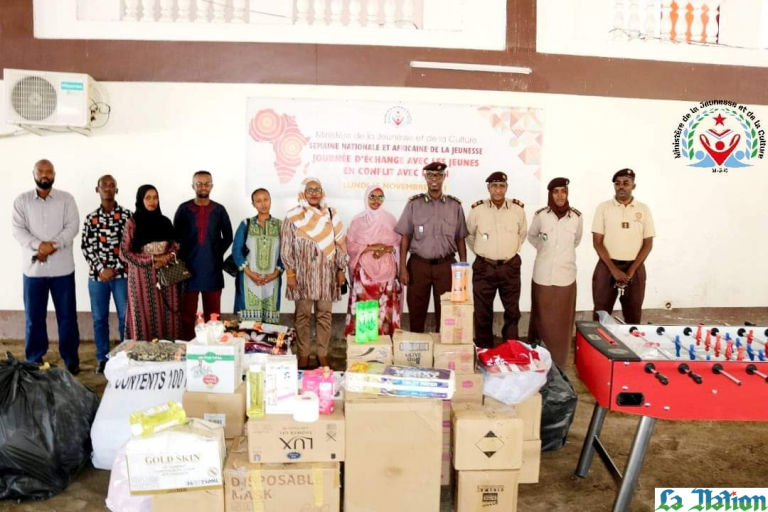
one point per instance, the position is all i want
(173, 273)
(229, 265)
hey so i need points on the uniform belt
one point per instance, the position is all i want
(435, 261)
(497, 263)
(623, 262)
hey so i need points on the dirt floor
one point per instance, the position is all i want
(681, 454)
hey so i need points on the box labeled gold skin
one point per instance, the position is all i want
(183, 457)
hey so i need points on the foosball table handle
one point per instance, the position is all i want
(717, 369)
(651, 368)
(752, 370)
(686, 370)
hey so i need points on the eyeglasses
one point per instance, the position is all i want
(434, 175)
(375, 197)
(203, 184)
(311, 190)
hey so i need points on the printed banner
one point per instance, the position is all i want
(349, 145)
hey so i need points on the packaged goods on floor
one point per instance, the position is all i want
(227, 410)
(379, 379)
(379, 351)
(456, 321)
(412, 349)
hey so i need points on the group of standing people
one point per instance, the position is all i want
(124, 251)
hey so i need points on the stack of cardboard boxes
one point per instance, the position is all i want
(215, 389)
(530, 412)
(487, 454)
(454, 349)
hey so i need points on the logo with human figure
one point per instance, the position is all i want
(720, 135)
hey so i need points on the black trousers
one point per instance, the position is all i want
(487, 279)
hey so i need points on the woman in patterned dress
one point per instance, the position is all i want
(374, 247)
(149, 244)
(313, 252)
(257, 295)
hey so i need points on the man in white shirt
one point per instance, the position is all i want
(45, 222)
(555, 233)
(622, 234)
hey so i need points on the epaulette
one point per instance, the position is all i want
(454, 198)
(417, 196)
(518, 203)
(541, 210)
(577, 212)
(477, 203)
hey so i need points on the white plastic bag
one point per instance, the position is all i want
(132, 386)
(513, 388)
(119, 498)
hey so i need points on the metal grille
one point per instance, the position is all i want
(34, 98)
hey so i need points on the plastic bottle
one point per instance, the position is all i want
(153, 420)
(255, 389)
(201, 333)
(215, 329)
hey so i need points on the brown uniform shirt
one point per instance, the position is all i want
(497, 233)
(433, 225)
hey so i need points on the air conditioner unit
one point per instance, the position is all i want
(43, 101)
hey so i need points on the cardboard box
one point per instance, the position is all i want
(446, 471)
(228, 410)
(456, 321)
(486, 438)
(201, 500)
(295, 487)
(375, 352)
(412, 349)
(281, 384)
(459, 358)
(469, 389)
(393, 452)
(529, 473)
(278, 438)
(529, 411)
(215, 368)
(182, 457)
(487, 491)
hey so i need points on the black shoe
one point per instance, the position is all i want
(74, 369)
(100, 367)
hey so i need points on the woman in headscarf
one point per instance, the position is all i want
(373, 248)
(313, 253)
(256, 252)
(555, 232)
(149, 244)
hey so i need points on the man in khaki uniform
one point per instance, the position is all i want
(622, 234)
(497, 228)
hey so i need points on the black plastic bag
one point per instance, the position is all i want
(558, 409)
(45, 429)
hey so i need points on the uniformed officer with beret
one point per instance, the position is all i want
(433, 229)
(497, 228)
(622, 234)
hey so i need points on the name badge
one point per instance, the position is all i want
(421, 229)
(485, 236)
(625, 225)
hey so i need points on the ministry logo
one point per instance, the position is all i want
(720, 135)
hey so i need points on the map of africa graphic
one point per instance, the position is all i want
(286, 138)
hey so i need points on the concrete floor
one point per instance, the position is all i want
(681, 454)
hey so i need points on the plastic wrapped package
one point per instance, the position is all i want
(558, 409)
(514, 371)
(45, 424)
(131, 386)
(119, 498)
(388, 380)
(151, 351)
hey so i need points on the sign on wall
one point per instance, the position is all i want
(349, 145)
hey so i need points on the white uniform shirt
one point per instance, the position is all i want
(555, 241)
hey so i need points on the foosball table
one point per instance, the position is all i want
(699, 372)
